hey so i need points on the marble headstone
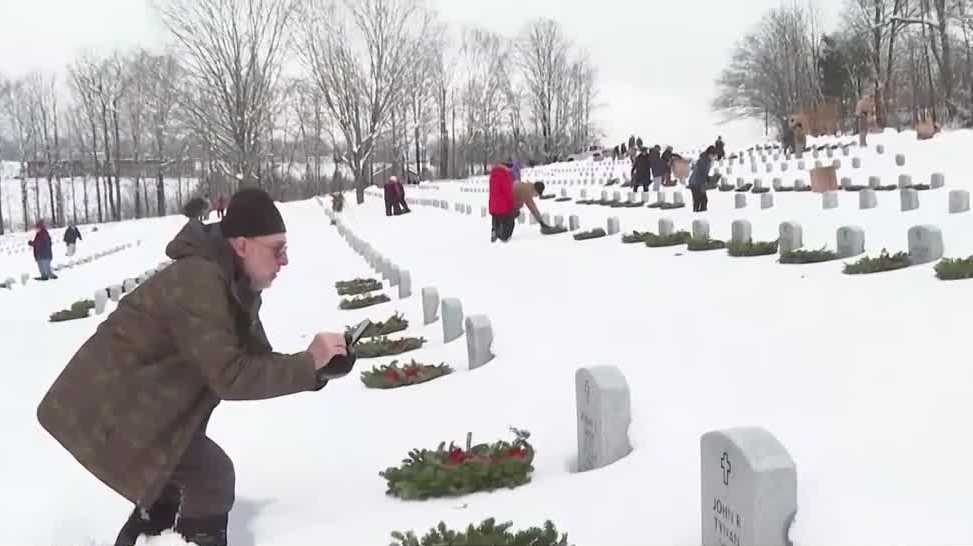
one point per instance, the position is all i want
(479, 340)
(604, 416)
(925, 244)
(452, 311)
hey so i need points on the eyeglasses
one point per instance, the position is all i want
(279, 249)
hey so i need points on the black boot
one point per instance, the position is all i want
(205, 531)
(160, 517)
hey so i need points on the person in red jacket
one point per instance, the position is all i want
(507, 196)
(502, 209)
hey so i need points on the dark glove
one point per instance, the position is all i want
(339, 365)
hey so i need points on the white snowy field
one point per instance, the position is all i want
(862, 378)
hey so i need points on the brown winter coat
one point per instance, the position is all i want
(143, 386)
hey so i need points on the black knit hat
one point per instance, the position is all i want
(252, 213)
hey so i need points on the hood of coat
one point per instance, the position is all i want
(206, 241)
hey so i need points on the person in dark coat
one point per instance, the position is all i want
(43, 251)
(71, 237)
(699, 179)
(391, 201)
(399, 204)
(659, 167)
(720, 149)
(667, 159)
(133, 403)
(641, 171)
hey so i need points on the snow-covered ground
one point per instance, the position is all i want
(862, 378)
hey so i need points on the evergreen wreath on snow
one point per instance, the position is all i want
(487, 533)
(702, 245)
(634, 237)
(357, 286)
(952, 269)
(591, 234)
(391, 376)
(802, 256)
(361, 302)
(656, 241)
(750, 248)
(78, 310)
(395, 323)
(455, 471)
(553, 230)
(884, 262)
(384, 346)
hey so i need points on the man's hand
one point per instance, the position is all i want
(325, 346)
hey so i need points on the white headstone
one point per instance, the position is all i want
(937, 180)
(791, 237)
(584, 194)
(777, 184)
(867, 199)
(959, 201)
(115, 292)
(128, 285)
(740, 200)
(700, 230)
(799, 183)
(925, 244)
(845, 183)
(749, 489)
(851, 241)
(617, 197)
(405, 284)
(574, 223)
(905, 181)
(614, 226)
(645, 197)
(766, 200)
(856, 163)
(633, 197)
(829, 200)
(740, 231)
(547, 218)
(479, 340)
(483, 212)
(430, 305)
(677, 198)
(394, 272)
(900, 160)
(452, 311)
(880, 149)
(604, 416)
(909, 199)
(666, 227)
(101, 300)
(874, 182)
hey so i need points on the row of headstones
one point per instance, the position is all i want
(936, 181)
(479, 331)
(815, 154)
(856, 163)
(10, 282)
(115, 291)
(748, 478)
(959, 200)
(925, 241)
(633, 197)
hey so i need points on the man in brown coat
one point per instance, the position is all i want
(133, 403)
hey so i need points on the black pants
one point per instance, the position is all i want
(503, 225)
(643, 182)
(201, 491)
(700, 200)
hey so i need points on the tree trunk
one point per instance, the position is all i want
(107, 164)
(118, 157)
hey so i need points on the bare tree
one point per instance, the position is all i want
(137, 73)
(161, 73)
(232, 53)
(773, 71)
(84, 75)
(359, 54)
(543, 52)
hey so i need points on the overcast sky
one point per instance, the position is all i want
(657, 60)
